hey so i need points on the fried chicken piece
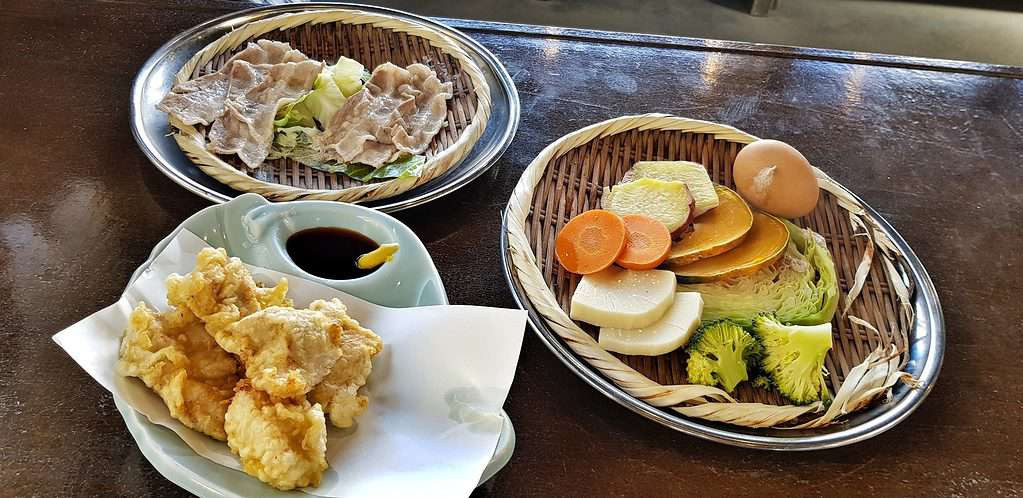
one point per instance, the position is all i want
(339, 390)
(285, 351)
(221, 289)
(283, 443)
(172, 353)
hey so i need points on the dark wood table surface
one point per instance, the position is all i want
(934, 145)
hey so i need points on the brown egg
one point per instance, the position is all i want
(774, 177)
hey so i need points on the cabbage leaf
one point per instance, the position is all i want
(330, 90)
(296, 143)
(408, 167)
(348, 76)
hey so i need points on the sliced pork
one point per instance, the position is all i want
(399, 111)
(202, 100)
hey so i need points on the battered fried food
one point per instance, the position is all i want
(285, 351)
(339, 390)
(174, 356)
(282, 443)
(185, 355)
(221, 290)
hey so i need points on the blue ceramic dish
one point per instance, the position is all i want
(255, 230)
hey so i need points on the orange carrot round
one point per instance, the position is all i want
(647, 243)
(590, 242)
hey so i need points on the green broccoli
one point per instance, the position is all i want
(794, 357)
(762, 382)
(722, 353)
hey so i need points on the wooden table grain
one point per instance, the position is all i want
(935, 146)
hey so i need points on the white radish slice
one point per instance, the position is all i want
(666, 335)
(623, 298)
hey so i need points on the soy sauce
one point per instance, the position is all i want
(330, 252)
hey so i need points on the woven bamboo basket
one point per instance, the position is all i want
(870, 329)
(371, 39)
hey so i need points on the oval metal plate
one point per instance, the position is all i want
(153, 81)
(926, 351)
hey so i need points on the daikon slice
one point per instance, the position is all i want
(625, 299)
(666, 335)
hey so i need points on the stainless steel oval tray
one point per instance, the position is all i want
(925, 335)
(154, 79)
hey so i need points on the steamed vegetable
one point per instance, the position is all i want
(590, 241)
(669, 333)
(330, 90)
(722, 353)
(801, 288)
(694, 175)
(348, 75)
(720, 230)
(667, 202)
(624, 299)
(647, 242)
(762, 246)
(794, 357)
(296, 143)
(406, 167)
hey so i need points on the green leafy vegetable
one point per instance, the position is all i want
(294, 113)
(794, 357)
(330, 90)
(802, 288)
(348, 75)
(296, 143)
(410, 167)
(722, 353)
(325, 99)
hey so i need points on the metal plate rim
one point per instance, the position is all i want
(486, 161)
(926, 305)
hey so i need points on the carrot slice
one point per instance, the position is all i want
(647, 243)
(590, 242)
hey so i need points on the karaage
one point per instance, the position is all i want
(339, 390)
(220, 290)
(174, 356)
(285, 351)
(282, 443)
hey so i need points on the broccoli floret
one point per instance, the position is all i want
(762, 381)
(794, 357)
(722, 353)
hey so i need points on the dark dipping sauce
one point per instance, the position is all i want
(330, 252)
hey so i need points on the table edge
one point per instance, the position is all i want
(760, 49)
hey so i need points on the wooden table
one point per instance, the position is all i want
(934, 145)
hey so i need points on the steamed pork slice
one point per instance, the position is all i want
(256, 91)
(268, 52)
(430, 111)
(172, 353)
(399, 111)
(339, 390)
(201, 100)
(281, 442)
